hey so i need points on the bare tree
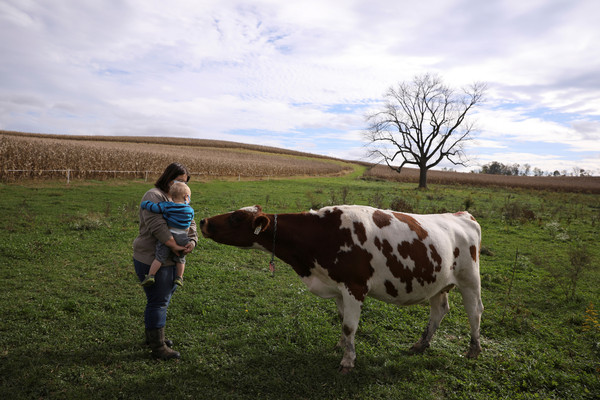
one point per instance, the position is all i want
(422, 123)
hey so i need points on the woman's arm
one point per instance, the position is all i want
(193, 235)
(155, 223)
(172, 244)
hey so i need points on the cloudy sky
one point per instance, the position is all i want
(303, 74)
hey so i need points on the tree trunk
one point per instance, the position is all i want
(423, 178)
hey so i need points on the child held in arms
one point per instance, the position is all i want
(179, 215)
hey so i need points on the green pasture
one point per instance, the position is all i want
(72, 309)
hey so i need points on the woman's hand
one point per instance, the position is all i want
(189, 247)
(177, 249)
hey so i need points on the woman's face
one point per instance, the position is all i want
(181, 178)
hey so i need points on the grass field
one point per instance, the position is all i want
(72, 323)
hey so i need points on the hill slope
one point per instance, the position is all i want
(37, 155)
(43, 156)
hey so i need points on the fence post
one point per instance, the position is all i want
(68, 176)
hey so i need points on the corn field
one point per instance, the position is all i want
(41, 156)
(50, 157)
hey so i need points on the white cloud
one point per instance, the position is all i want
(518, 125)
(488, 144)
(225, 68)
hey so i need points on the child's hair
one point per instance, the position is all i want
(179, 190)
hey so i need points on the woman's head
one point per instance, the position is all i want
(174, 171)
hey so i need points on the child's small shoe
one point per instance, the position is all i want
(179, 281)
(148, 280)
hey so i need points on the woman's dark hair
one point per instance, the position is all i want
(171, 172)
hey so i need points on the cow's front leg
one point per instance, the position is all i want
(351, 315)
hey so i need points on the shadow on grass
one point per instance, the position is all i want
(43, 370)
(296, 374)
(125, 369)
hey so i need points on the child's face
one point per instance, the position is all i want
(187, 197)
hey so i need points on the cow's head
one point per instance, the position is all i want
(238, 228)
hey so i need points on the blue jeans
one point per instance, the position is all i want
(158, 295)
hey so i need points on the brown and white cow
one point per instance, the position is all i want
(350, 252)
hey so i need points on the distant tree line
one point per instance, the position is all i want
(497, 168)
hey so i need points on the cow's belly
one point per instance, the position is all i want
(402, 299)
(320, 284)
(419, 294)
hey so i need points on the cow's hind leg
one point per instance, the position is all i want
(339, 302)
(474, 308)
(439, 307)
(350, 308)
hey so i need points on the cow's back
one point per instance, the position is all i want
(413, 256)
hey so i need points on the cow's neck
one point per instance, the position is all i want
(289, 242)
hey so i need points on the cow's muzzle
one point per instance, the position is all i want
(204, 228)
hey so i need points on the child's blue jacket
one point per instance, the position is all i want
(178, 215)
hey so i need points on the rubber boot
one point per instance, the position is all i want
(168, 342)
(160, 350)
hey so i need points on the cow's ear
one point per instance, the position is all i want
(258, 208)
(260, 224)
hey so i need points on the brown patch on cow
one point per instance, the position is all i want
(398, 269)
(456, 254)
(426, 266)
(360, 231)
(301, 239)
(473, 250)
(381, 219)
(461, 213)
(413, 225)
(306, 239)
(391, 289)
(426, 263)
(353, 268)
(435, 257)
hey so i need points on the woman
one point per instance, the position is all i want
(153, 228)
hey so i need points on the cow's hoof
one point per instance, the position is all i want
(418, 349)
(474, 349)
(345, 370)
(473, 353)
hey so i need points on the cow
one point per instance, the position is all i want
(349, 252)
